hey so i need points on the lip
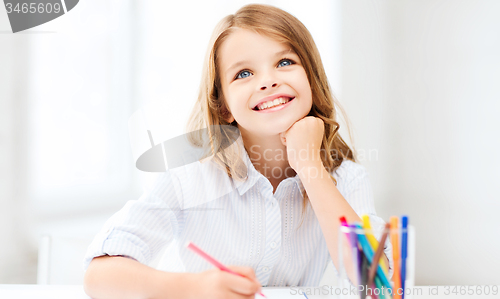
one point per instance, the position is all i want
(276, 108)
(272, 97)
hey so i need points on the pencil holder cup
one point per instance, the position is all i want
(357, 249)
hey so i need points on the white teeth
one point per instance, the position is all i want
(273, 103)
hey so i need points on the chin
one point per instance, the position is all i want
(280, 127)
(271, 128)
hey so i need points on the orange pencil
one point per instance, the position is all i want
(395, 254)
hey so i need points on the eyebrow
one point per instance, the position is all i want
(240, 63)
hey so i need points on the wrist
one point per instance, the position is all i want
(302, 159)
(309, 170)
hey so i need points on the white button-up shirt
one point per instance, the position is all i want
(237, 222)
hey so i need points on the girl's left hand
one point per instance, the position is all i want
(303, 143)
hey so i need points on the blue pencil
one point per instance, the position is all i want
(355, 252)
(404, 251)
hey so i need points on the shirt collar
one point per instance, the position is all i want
(252, 174)
(297, 181)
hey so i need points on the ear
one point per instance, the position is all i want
(226, 115)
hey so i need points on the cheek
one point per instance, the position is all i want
(237, 98)
(303, 85)
(229, 98)
(306, 91)
(231, 103)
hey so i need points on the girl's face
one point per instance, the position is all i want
(263, 82)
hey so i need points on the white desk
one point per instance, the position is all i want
(32, 291)
(17, 291)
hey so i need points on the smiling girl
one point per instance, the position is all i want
(293, 177)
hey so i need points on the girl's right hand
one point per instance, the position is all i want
(219, 284)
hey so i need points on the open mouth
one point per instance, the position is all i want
(273, 103)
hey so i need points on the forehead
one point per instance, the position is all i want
(246, 45)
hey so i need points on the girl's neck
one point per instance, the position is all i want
(269, 157)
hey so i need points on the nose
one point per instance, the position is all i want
(269, 79)
(264, 86)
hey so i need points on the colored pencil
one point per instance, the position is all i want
(373, 241)
(404, 250)
(395, 254)
(355, 252)
(364, 276)
(378, 255)
(368, 251)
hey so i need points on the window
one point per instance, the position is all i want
(81, 95)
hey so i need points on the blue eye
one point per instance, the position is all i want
(243, 74)
(285, 62)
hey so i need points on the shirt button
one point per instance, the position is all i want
(265, 269)
(273, 245)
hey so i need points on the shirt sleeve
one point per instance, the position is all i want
(142, 228)
(354, 185)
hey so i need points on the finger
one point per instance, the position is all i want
(245, 271)
(241, 285)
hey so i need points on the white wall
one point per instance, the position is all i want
(16, 252)
(420, 83)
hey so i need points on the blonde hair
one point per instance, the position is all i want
(210, 110)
